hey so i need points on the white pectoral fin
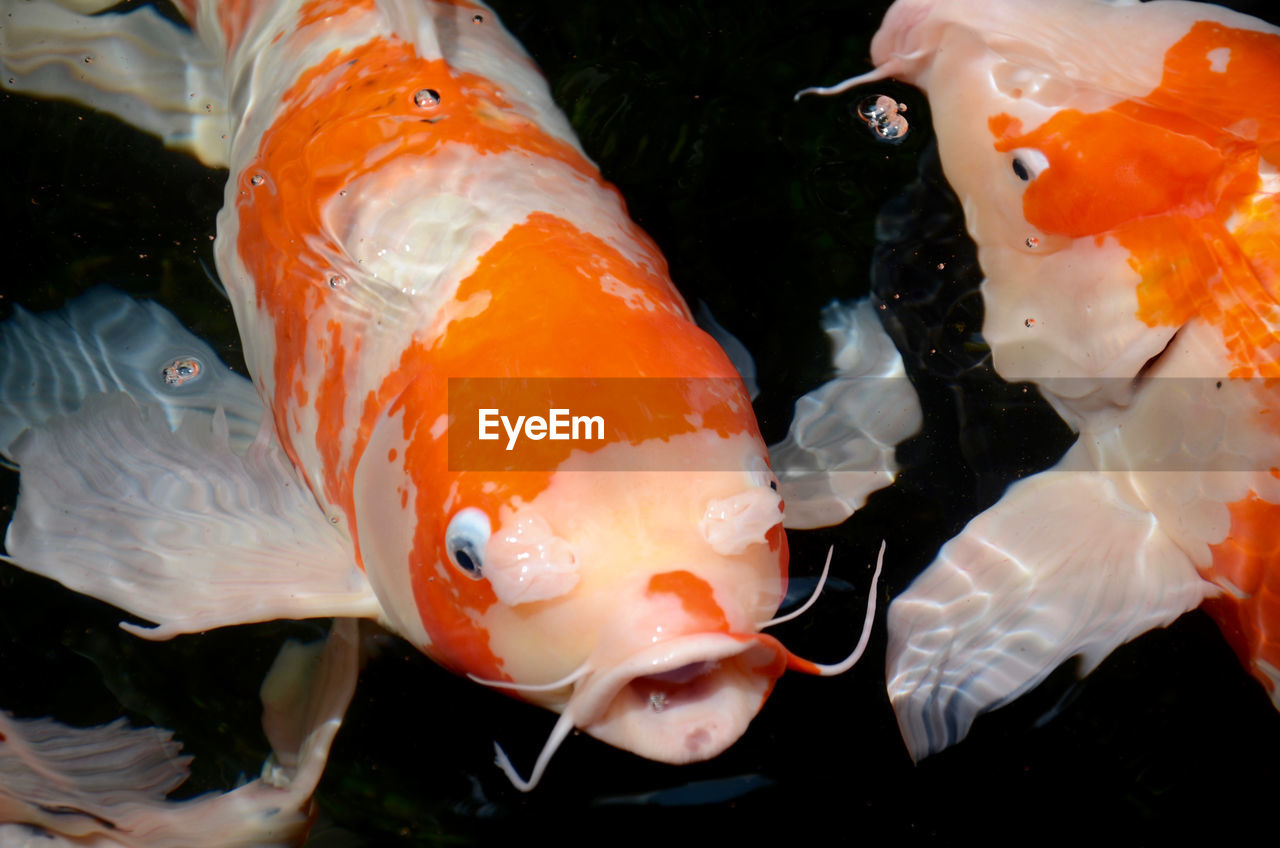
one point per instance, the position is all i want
(840, 447)
(106, 785)
(1061, 566)
(137, 66)
(175, 526)
(106, 341)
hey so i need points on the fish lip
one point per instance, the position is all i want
(681, 700)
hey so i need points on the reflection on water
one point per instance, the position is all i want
(766, 210)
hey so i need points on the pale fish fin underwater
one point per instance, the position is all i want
(105, 341)
(841, 444)
(743, 362)
(137, 66)
(1062, 566)
(115, 504)
(105, 786)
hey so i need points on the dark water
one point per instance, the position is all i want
(766, 210)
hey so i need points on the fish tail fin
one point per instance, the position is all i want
(109, 783)
(138, 66)
(70, 780)
(1063, 565)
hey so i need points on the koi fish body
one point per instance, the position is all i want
(1116, 163)
(411, 229)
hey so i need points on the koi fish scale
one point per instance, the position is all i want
(1123, 213)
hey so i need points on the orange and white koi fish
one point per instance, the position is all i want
(1117, 166)
(409, 223)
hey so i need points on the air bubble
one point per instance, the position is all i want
(1032, 242)
(1030, 322)
(657, 701)
(257, 180)
(337, 281)
(181, 371)
(477, 19)
(88, 60)
(883, 115)
(427, 98)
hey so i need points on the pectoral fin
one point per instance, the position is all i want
(840, 447)
(1061, 566)
(105, 341)
(175, 526)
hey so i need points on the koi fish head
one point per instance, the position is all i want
(1110, 158)
(613, 586)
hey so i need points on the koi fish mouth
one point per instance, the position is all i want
(682, 700)
(679, 701)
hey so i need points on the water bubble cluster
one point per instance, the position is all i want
(883, 115)
(181, 371)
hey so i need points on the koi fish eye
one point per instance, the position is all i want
(1028, 163)
(465, 540)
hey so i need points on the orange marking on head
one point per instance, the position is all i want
(555, 311)
(1248, 562)
(696, 597)
(449, 606)
(1173, 178)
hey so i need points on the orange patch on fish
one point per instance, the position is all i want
(1178, 192)
(350, 115)
(1244, 564)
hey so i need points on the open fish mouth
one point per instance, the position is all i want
(683, 700)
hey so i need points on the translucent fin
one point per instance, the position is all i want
(105, 786)
(176, 527)
(1061, 566)
(840, 447)
(106, 341)
(137, 66)
(733, 348)
(69, 778)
